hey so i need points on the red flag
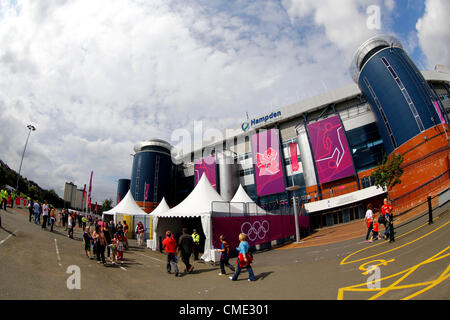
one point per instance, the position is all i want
(294, 157)
(118, 198)
(89, 203)
(95, 209)
(84, 192)
(90, 185)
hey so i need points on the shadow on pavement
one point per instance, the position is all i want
(7, 231)
(263, 275)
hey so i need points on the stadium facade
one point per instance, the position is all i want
(327, 145)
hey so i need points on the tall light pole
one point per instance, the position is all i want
(297, 232)
(31, 128)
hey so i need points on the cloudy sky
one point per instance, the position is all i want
(96, 77)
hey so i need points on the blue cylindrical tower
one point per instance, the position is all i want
(395, 89)
(123, 185)
(152, 166)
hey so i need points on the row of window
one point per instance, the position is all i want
(405, 93)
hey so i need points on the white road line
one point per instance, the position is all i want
(150, 257)
(123, 268)
(57, 254)
(4, 240)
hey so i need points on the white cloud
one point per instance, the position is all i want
(96, 77)
(434, 36)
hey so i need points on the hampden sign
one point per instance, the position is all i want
(248, 124)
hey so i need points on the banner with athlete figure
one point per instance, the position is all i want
(206, 166)
(331, 153)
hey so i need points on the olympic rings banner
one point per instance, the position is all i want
(332, 155)
(259, 229)
(269, 176)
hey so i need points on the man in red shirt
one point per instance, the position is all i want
(386, 210)
(170, 247)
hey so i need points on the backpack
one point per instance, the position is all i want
(382, 219)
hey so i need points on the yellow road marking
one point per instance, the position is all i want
(406, 273)
(343, 262)
(379, 262)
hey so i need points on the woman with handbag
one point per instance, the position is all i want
(244, 259)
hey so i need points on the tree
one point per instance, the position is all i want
(107, 204)
(388, 174)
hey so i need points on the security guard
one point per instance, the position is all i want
(196, 239)
(4, 198)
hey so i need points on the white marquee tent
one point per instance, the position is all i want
(242, 198)
(198, 204)
(126, 207)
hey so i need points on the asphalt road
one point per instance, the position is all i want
(34, 264)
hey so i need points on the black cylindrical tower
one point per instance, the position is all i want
(123, 185)
(151, 173)
(396, 90)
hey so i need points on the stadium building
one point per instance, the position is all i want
(327, 145)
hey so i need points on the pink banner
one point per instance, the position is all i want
(259, 229)
(147, 185)
(294, 157)
(438, 110)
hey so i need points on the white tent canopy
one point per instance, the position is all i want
(126, 207)
(242, 197)
(198, 204)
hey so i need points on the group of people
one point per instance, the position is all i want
(186, 245)
(5, 197)
(373, 220)
(105, 237)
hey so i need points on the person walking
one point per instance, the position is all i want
(4, 198)
(87, 241)
(125, 233)
(70, 226)
(44, 215)
(185, 246)
(83, 222)
(119, 241)
(100, 244)
(140, 233)
(30, 209)
(368, 221)
(170, 248)
(224, 256)
(36, 209)
(386, 211)
(108, 238)
(196, 244)
(244, 259)
(52, 218)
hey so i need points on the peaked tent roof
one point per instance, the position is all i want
(242, 196)
(197, 203)
(161, 208)
(127, 206)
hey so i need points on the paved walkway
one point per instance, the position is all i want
(352, 230)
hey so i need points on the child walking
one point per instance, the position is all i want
(224, 256)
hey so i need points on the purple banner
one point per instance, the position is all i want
(259, 229)
(207, 166)
(269, 175)
(332, 155)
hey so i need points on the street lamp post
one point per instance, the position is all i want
(31, 128)
(294, 200)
